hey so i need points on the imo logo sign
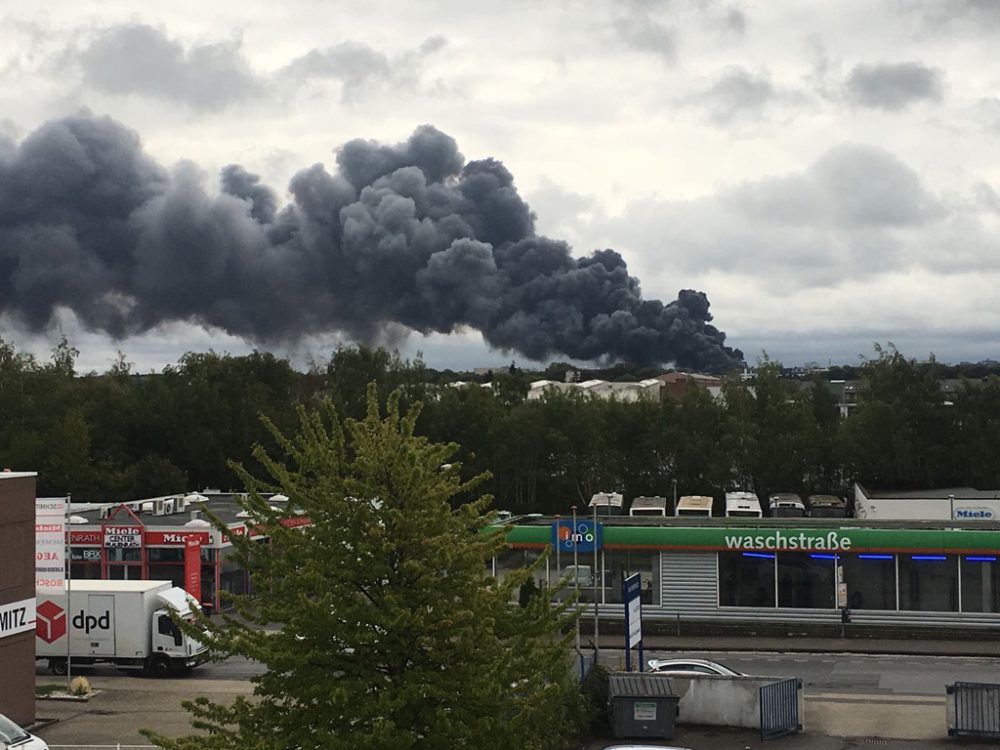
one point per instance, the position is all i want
(584, 536)
(51, 621)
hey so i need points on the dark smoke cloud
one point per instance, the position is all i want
(410, 234)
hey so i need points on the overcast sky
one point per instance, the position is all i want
(827, 173)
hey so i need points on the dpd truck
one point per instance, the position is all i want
(125, 623)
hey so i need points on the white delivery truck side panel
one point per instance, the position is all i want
(116, 622)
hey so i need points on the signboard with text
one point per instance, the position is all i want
(631, 596)
(50, 544)
(124, 537)
(581, 535)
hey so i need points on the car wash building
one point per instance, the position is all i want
(784, 570)
(167, 538)
(17, 596)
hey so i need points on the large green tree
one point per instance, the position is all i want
(390, 634)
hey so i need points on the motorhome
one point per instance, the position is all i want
(648, 506)
(607, 503)
(826, 506)
(786, 505)
(694, 505)
(742, 505)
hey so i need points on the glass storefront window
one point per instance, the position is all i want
(746, 579)
(928, 583)
(871, 580)
(980, 583)
(512, 559)
(165, 554)
(623, 563)
(232, 576)
(124, 554)
(807, 580)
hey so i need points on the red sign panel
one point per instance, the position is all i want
(85, 537)
(176, 538)
(192, 566)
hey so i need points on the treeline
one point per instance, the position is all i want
(121, 435)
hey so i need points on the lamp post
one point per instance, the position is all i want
(596, 572)
(576, 580)
(674, 483)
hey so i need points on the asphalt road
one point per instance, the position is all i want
(854, 673)
(821, 673)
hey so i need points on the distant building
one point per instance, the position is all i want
(644, 390)
(676, 383)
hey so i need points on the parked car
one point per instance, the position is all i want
(691, 668)
(15, 738)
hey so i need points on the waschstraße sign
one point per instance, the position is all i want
(790, 540)
(784, 539)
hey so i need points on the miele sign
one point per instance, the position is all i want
(974, 514)
(128, 537)
(82, 537)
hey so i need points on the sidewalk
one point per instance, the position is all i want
(812, 645)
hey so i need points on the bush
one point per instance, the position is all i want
(79, 686)
(594, 688)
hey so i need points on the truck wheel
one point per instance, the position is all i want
(57, 666)
(161, 667)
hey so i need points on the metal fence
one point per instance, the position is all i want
(779, 708)
(976, 709)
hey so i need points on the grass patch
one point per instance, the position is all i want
(42, 690)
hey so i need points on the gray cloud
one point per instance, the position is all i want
(893, 86)
(359, 67)
(850, 214)
(643, 33)
(738, 95)
(139, 59)
(936, 14)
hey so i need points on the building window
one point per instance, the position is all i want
(746, 579)
(124, 554)
(980, 583)
(928, 583)
(871, 580)
(807, 580)
(512, 559)
(619, 564)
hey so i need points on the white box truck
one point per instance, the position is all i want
(125, 623)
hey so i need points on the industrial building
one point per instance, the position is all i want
(887, 573)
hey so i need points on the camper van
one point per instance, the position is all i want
(694, 505)
(648, 506)
(786, 505)
(607, 503)
(742, 505)
(826, 506)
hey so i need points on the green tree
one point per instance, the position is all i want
(391, 635)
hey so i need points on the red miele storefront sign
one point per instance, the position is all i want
(155, 538)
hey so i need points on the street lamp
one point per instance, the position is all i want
(674, 483)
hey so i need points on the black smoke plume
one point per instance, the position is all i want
(409, 234)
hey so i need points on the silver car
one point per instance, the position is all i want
(15, 738)
(691, 668)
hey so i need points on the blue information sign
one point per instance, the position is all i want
(584, 536)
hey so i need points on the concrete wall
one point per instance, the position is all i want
(723, 701)
(17, 583)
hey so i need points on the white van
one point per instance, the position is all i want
(742, 505)
(694, 505)
(648, 506)
(12, 736)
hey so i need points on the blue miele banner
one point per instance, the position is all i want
(583, 536)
